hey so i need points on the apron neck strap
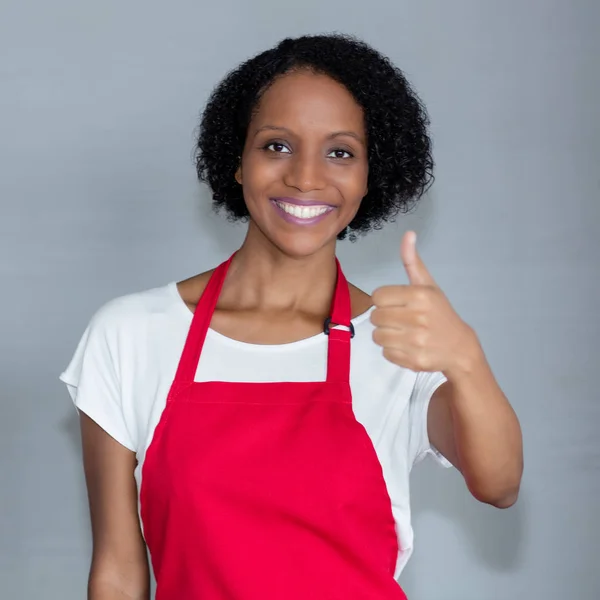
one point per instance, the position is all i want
(188, 364)
(338, 328)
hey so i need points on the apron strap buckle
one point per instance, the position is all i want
(327, 327)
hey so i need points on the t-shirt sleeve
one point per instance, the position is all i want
(92, 378)
(425, 385)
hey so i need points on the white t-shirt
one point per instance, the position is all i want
(124, 365)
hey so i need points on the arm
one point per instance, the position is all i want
(469, 419)
(471, 422)
(119, 569)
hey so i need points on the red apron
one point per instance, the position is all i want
(260, 491)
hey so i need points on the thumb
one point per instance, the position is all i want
(415, 268)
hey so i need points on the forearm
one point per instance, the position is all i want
(129, 582)
(487, 435)
(107, 591)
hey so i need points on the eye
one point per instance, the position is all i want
(340, 154)
(277, 147)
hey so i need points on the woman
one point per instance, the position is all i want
(268, 412)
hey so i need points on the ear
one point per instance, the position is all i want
(238, 175)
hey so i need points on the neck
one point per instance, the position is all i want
(262, 277)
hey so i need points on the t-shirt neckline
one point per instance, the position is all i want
(186, 313)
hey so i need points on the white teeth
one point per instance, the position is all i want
(303, 212)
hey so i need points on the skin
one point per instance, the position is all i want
(119, 569)
(279, 290)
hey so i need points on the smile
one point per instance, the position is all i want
(301, 213)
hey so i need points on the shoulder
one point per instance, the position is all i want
(128, 311)
(361, 301)
(118, 330)
(190, 290)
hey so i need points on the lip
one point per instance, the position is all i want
(299, 202)
(296, 220)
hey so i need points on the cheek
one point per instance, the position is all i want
(352, 183)
(258, 173)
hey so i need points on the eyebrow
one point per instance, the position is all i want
(331, 136)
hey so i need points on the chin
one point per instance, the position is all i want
(303, 245)
(297, 242)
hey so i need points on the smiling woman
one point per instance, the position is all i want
(307, 135)
(264, 416)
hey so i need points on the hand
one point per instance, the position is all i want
(416, 325)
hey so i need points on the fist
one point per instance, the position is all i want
(416, 325)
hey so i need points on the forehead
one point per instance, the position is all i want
(303, 99)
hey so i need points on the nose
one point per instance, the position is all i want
(305, 172)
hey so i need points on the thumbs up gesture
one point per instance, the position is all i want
(416, 325)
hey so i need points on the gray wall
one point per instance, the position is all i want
(98, 103)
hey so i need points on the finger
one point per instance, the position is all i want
(392, 295)
(398, 357)
(396, 317)
(404, 357)
(408, 359)
(415, 267)
(417, 297)
(392, 339)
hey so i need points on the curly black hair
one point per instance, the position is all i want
(396, 122)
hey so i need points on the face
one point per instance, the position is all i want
(304, 167)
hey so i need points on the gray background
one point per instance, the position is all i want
(98, 105)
